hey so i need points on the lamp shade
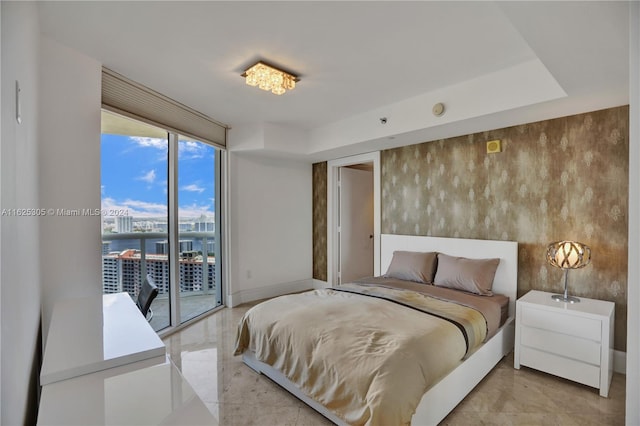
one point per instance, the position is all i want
(568, 254)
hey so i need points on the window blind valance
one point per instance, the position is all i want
(133, 100)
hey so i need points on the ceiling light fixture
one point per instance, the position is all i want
(269, 78)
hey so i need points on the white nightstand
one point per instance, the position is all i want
(570, 340)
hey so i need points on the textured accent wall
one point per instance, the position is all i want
(320, 221)
(565, 178)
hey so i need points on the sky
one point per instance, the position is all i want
(134, 176)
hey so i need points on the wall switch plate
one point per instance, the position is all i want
(494, 146)
(18, 104)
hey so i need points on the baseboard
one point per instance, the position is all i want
(620, 362)
(267, 292)
(318, 284)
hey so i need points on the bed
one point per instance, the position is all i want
(446, 378)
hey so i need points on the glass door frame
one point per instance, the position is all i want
(174, 245)
(174, 235)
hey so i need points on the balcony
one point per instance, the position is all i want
(128, 257)
(191, 305)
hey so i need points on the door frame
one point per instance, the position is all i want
(332, 211)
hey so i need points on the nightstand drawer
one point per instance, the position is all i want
(577, 371)
(569, 323)
(573, 341)
(561, 344)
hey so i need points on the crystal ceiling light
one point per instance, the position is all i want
(269, 78)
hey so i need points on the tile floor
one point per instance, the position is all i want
(192, 304)
(238, 396)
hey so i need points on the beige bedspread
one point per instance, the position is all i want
(367, 359)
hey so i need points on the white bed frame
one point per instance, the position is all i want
(443, 397)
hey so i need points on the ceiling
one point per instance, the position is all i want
(354, 57)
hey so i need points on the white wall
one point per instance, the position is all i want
(270, 220)
(19, 272)
(70, 247)
(633, 291)
(269, 138)
(484, 95)
(0, 218)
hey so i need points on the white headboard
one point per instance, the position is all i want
(506, 278)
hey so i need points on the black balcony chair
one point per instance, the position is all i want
(148, 292)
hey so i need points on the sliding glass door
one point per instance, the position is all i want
(160, 217)
(199, 285)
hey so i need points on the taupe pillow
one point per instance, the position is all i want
(413, 266)
(460, 273)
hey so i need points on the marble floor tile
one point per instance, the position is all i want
(237, 395)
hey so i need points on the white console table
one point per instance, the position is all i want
(103, 365)
(81, 341)
(133, 394)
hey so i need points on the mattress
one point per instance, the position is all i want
(369, 350)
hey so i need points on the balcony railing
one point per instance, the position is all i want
(192, 302)
(141, 241)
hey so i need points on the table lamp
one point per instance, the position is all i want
(568, 255)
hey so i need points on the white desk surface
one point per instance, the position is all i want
(133, 394)
(81, 340)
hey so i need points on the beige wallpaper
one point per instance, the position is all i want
(565, 178)
(320, 221)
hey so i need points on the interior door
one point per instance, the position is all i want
(355, 227)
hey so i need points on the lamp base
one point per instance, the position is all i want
(567, 299)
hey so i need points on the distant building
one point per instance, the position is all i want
(123, 224)
(145, 225)
(124, 272)
(106, 247)
(162, 247)
(204, 224)
(111, 277)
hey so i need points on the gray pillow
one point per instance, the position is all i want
(413, 266)
(460, 273)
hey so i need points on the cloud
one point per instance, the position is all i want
(191, 150)
(192, 188)
(135, 208)
(144, 209)
(147, 142)
(187, 149)
(195, 211)
(148, 177)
